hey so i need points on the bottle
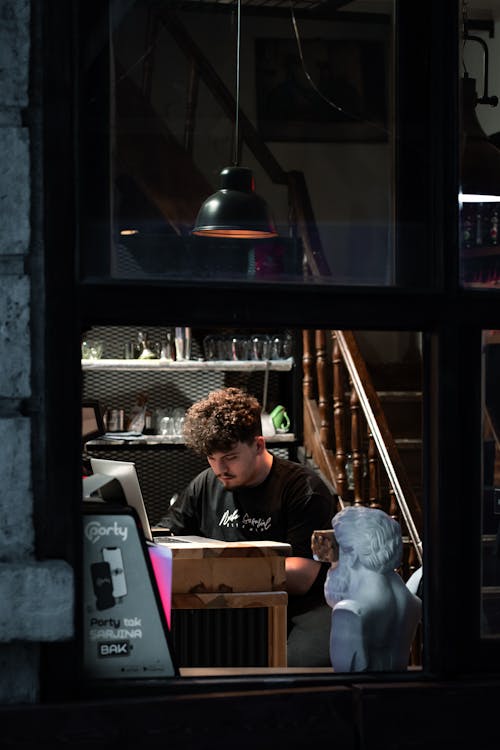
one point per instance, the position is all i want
(494, 226)
(168, 347)
(179, 343)
(145, 350)
(149, 423)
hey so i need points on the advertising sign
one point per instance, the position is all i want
(125, 630)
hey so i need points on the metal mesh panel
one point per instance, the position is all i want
(168, 390)
(165, 390)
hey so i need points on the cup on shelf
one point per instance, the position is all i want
(287, 345)
(281, 346)
(92, 349)
(129, 351)
(210, 347)
(182, 340)
(167, 348)
(166, 426)
(260, 346)
(178, 416)
(223, 346)
(240, 347)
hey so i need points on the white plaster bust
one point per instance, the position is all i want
(374, 614)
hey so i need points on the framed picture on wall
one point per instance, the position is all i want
(337, 90)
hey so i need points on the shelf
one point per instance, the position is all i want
(163, 365)
(481, 251)
(286, 437)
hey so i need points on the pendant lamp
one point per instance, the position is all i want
(480, 170)
(235, 210)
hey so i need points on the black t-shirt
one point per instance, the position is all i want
(286, 507)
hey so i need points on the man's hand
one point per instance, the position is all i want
(301, 572)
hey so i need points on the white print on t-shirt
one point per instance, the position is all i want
(256, 524)
(229, 519)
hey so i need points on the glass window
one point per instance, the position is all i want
(346, 404)
(479, 198)
(315, 127)
(490, 599)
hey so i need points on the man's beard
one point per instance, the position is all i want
(337, 583)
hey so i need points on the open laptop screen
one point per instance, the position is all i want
(92, 421)
(126, 474)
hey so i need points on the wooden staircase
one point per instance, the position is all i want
(363, 430)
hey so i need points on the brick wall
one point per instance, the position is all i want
(36, 596)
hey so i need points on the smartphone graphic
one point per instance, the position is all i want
(103, 585)
(113, 556)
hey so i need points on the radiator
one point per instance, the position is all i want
(220, 637)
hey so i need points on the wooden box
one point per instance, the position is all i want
(205, 566)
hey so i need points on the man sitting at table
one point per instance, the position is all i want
(249, 494)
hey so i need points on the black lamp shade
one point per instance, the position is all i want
(235, 210)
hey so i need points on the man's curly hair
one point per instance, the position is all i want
(223, 418)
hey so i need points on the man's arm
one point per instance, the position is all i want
(300, 574)
(181, 517)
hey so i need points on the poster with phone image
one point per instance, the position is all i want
(125, 631)
(113, 556)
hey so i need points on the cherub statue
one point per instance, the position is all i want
(374, 614)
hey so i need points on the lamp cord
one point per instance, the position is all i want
(375, 125)
(237, 114)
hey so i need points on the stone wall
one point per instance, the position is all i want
(36, 596)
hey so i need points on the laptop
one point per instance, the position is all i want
(92, 421)
(126, 474)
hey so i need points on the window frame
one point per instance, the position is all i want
(451, 319)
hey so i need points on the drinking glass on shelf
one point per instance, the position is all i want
(92, 349)
(240, 347)
(167, 347)
(182, 342)
(276, 347)
(129, 351)
(210, 347)
(261, 346)
(178, 418)
(158, 415)
(281, 346)
(223, 344)
(167, 426)
(287, 345)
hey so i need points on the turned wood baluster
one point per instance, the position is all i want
(321, 371)
(393, 505)
(307, 361)
(413, 562)
(356, 452)
(374, 491)
(339, 419)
